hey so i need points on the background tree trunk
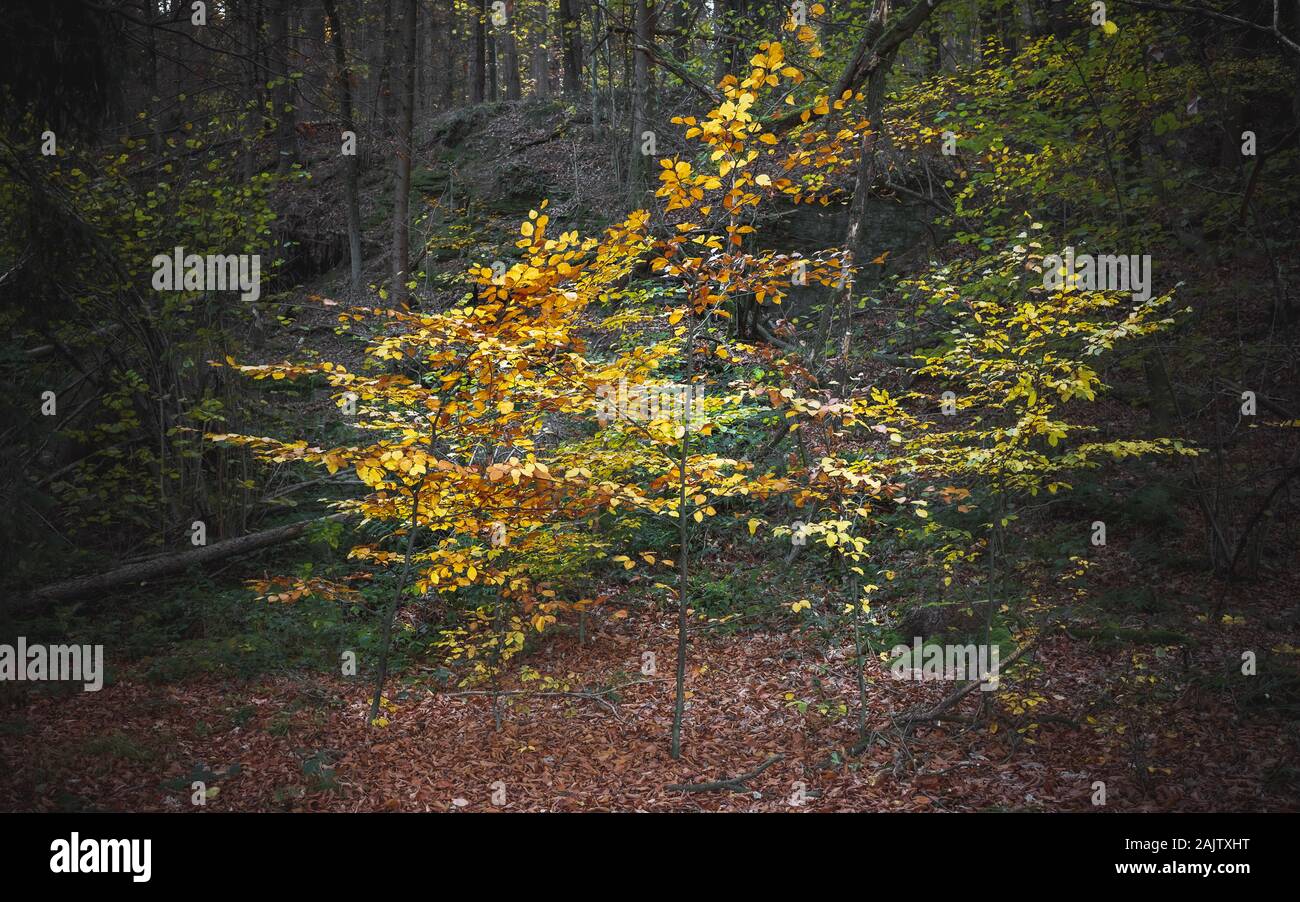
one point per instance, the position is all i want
(286, 141)
(571, 43)
(541, 61)
(638, 161)
(510, 50)
(449, 58)
(351, 164)
(478, 79)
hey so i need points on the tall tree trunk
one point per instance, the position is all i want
(478, 83)
(449, 58)
(424, 54)
(351, 164)
(541, 55)
(405, 98)
(384, 97)
(253, 80)
(638, 163)
(286, 142)
(571, 43)
(510, 49)
(312, 52)
(494, 87)
(594, 70)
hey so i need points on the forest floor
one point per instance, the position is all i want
(1148, 725)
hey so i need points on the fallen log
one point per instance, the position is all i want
(163, 564)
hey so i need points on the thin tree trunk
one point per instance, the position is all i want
(398, 293)
(386, 638)
(252, 83)
(683, 526)
(861, 191)
(424, 54)
(286, 144)
(596, 22)
(384, 97)
(449, 58)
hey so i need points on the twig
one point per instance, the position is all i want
(733, 783)
(951, 701)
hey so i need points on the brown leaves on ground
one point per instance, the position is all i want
(302, 744)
